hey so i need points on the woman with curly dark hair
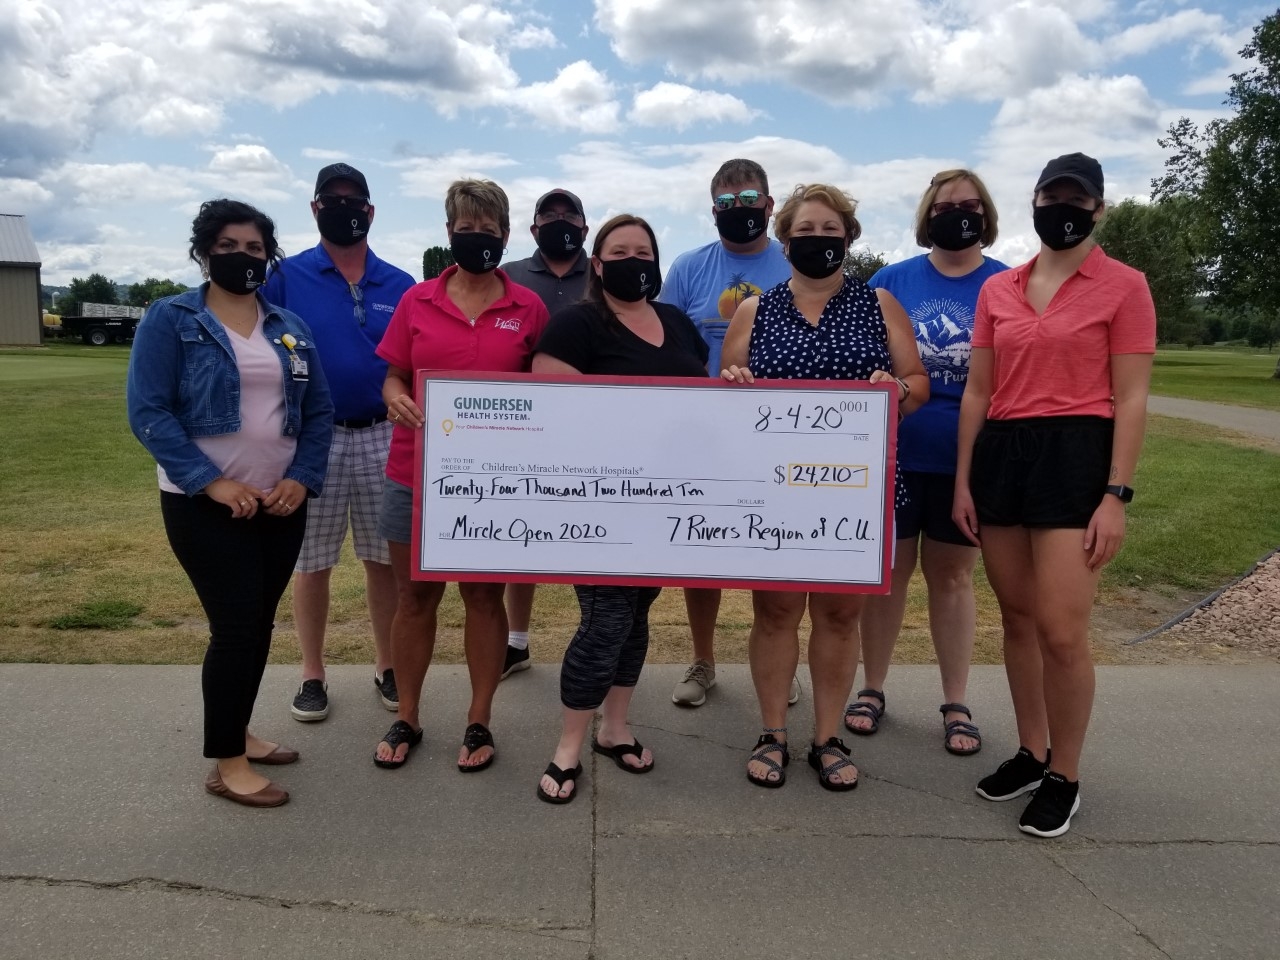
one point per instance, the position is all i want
(226, 392)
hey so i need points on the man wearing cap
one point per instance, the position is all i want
(557, 272)
(708, 283)
(347, 295)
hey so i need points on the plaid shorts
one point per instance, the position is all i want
(353, 488)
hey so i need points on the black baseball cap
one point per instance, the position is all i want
(572, 198)
(1083, 169)
(341, 171)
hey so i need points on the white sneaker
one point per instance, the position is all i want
(794, 696)
(692, 690)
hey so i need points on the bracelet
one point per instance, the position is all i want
(906, 390)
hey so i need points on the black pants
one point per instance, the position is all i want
(239, 569)
(609, 647)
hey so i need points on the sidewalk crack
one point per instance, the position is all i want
(540, 928)
(1137, 931)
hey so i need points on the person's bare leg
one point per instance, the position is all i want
(773, 649)
(702, 606)
(1007, 558)
(880, 624)
(519, 602)
(1064, 597)
(485, 641)
(310, 618)
(833, 661)
(413, 641)
(380, 596)
(948, 575)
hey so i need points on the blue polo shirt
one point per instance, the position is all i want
(347, 331)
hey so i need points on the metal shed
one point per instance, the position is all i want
(20, 305)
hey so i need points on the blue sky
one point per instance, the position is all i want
(117, 121)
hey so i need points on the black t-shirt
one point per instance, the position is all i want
(587, 340)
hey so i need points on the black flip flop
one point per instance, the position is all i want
(399, 733)
(476, 736)
(618, 751)
(559, 776)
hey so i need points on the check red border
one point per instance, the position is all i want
(695, 383)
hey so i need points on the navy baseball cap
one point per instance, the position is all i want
(1083, 169)
(341, 171)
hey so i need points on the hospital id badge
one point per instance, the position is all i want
(298, 367)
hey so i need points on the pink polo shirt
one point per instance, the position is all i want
(1058, 363)
(429, 332)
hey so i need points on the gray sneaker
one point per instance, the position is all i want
(692, 690)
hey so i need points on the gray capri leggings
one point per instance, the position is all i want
(609, 647)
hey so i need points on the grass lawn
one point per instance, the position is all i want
(1221, 374)
(83, 542)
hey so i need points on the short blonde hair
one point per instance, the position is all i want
(825, 194)
(930, 197)
(471, 198)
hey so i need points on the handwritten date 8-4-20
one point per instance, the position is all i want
(801, 416)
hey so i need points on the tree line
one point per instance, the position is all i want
(1206, 239)
(98, 288)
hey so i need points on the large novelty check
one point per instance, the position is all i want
(685, 482)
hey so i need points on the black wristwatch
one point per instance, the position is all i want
(1125, 494)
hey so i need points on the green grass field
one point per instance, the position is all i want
(1220, 374)
(83, 543)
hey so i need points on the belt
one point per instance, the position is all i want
(360, 423)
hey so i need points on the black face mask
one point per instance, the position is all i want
(1062, 225)
(629, 279)
(815, 256)
(343, 226)
(559, 240)
(741, 224)
(956, 229)
(238, 272)
(476, 252)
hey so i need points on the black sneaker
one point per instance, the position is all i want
(517, 660)
(386, 685)
(1050, 811)
(1014, 777)
(312, 701)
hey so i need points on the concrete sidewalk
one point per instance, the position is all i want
(109, 848)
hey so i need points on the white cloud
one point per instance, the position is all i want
(579, 98)
(680, 107)
(1145, 37)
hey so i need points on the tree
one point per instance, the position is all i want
(95, 289)
(1231, 170)
(1160, 239)
(141, 294)
(434, 262)
(863, 263)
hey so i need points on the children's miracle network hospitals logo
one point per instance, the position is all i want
(488, 408)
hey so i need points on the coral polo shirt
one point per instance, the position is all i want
(429, 332)
(1058, 363)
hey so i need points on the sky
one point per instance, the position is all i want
(119, 117)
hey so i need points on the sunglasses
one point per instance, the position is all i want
(357, 298)
(748, 198)
(968, 206)
(337, 200)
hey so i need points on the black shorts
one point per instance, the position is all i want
(928, 508)
(1041, 471)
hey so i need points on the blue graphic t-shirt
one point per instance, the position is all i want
(941, 309)
(709, 282)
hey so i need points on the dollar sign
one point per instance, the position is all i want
(779, 475)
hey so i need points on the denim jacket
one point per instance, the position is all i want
(184, 383)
